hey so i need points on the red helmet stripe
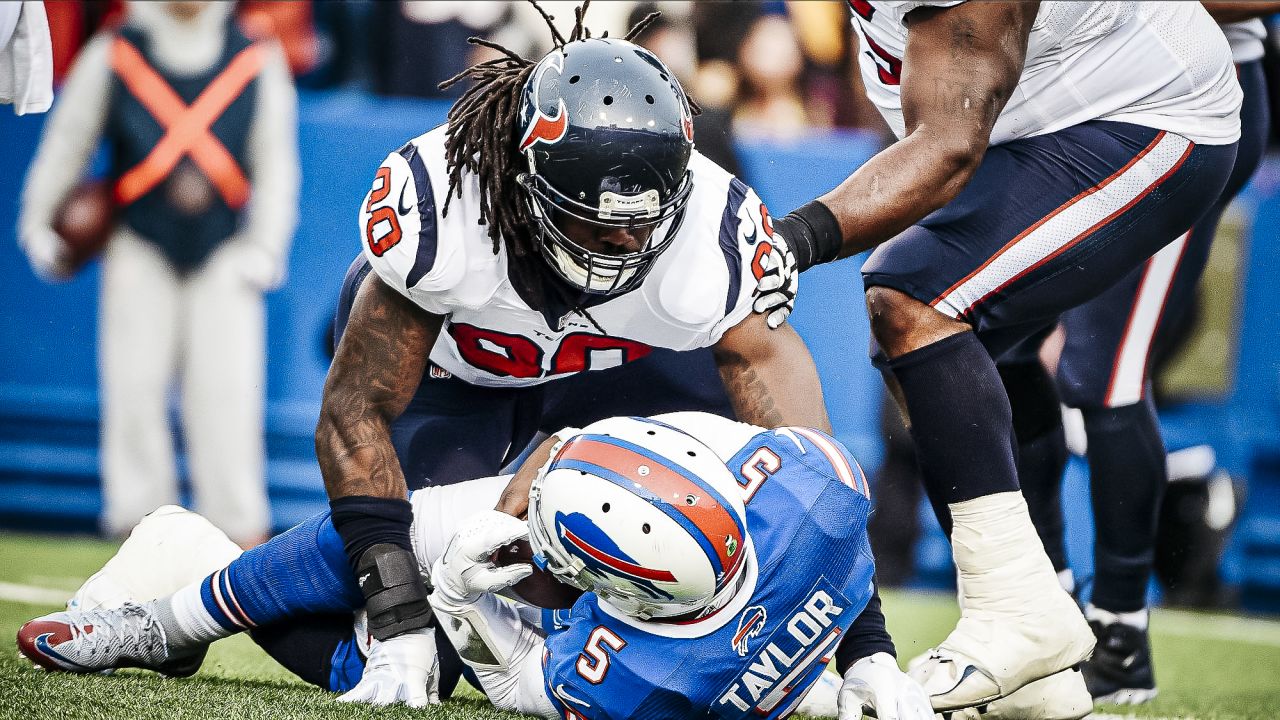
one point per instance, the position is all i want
(618, 563)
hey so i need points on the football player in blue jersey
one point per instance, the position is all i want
(721, 565)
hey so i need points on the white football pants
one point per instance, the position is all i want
(207, 330)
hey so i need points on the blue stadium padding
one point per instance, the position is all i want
(829, 313)
(48, 395)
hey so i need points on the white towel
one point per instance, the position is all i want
(26, 57)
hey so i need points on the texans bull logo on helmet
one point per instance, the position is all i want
(539, 126)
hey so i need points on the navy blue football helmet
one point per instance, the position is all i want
(606, 132)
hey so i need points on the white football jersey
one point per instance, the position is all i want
(1246, 39)
(1157, 64)
(701, 286)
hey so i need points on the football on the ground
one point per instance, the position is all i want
(85, 222)
(540, 589)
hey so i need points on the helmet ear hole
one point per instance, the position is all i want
(608, 100)
(574, 80)
(645, 528)
(648, 99)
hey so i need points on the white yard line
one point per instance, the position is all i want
(32, 594)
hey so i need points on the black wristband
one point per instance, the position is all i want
(395, 591)
(363, 521)
(813, 234)
(866, 637)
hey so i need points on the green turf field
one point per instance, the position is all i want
(1209, 667)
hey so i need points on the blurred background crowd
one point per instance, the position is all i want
(778, 69)
(768, 75)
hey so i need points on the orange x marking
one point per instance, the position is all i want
(186, 127)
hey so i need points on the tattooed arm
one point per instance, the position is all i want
(375, 373)
(770, 376)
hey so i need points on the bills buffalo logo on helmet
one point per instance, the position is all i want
(601, 553)
(542, 127)
(750, 624)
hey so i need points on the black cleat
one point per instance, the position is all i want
(1120, 671)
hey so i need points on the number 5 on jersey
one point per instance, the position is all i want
(593, 661)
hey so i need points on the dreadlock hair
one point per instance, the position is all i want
(482, 133)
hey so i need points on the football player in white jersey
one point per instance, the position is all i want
(1045, 150)
(1109, 346)
(561, 221)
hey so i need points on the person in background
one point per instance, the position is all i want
(204, 179)
(771, 99)
(426, 43)
(26, 58)
(290, 23)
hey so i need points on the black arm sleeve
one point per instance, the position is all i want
(867, 636)
(813, 233)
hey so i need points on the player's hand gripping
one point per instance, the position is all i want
(402, 669)
(875, 683)
(776, 288)
(466, 570)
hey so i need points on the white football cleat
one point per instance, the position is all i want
(90, 641)
(1061, 696)
(167, 550)
(1017, 624)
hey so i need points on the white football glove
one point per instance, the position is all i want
(876, 683)
(466, 570)
(47, 253)
(776, 289)
(402, 669)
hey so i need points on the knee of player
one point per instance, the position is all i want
(897, 319)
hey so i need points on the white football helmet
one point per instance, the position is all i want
(645, 516)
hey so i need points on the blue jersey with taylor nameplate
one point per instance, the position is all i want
(807, 508)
